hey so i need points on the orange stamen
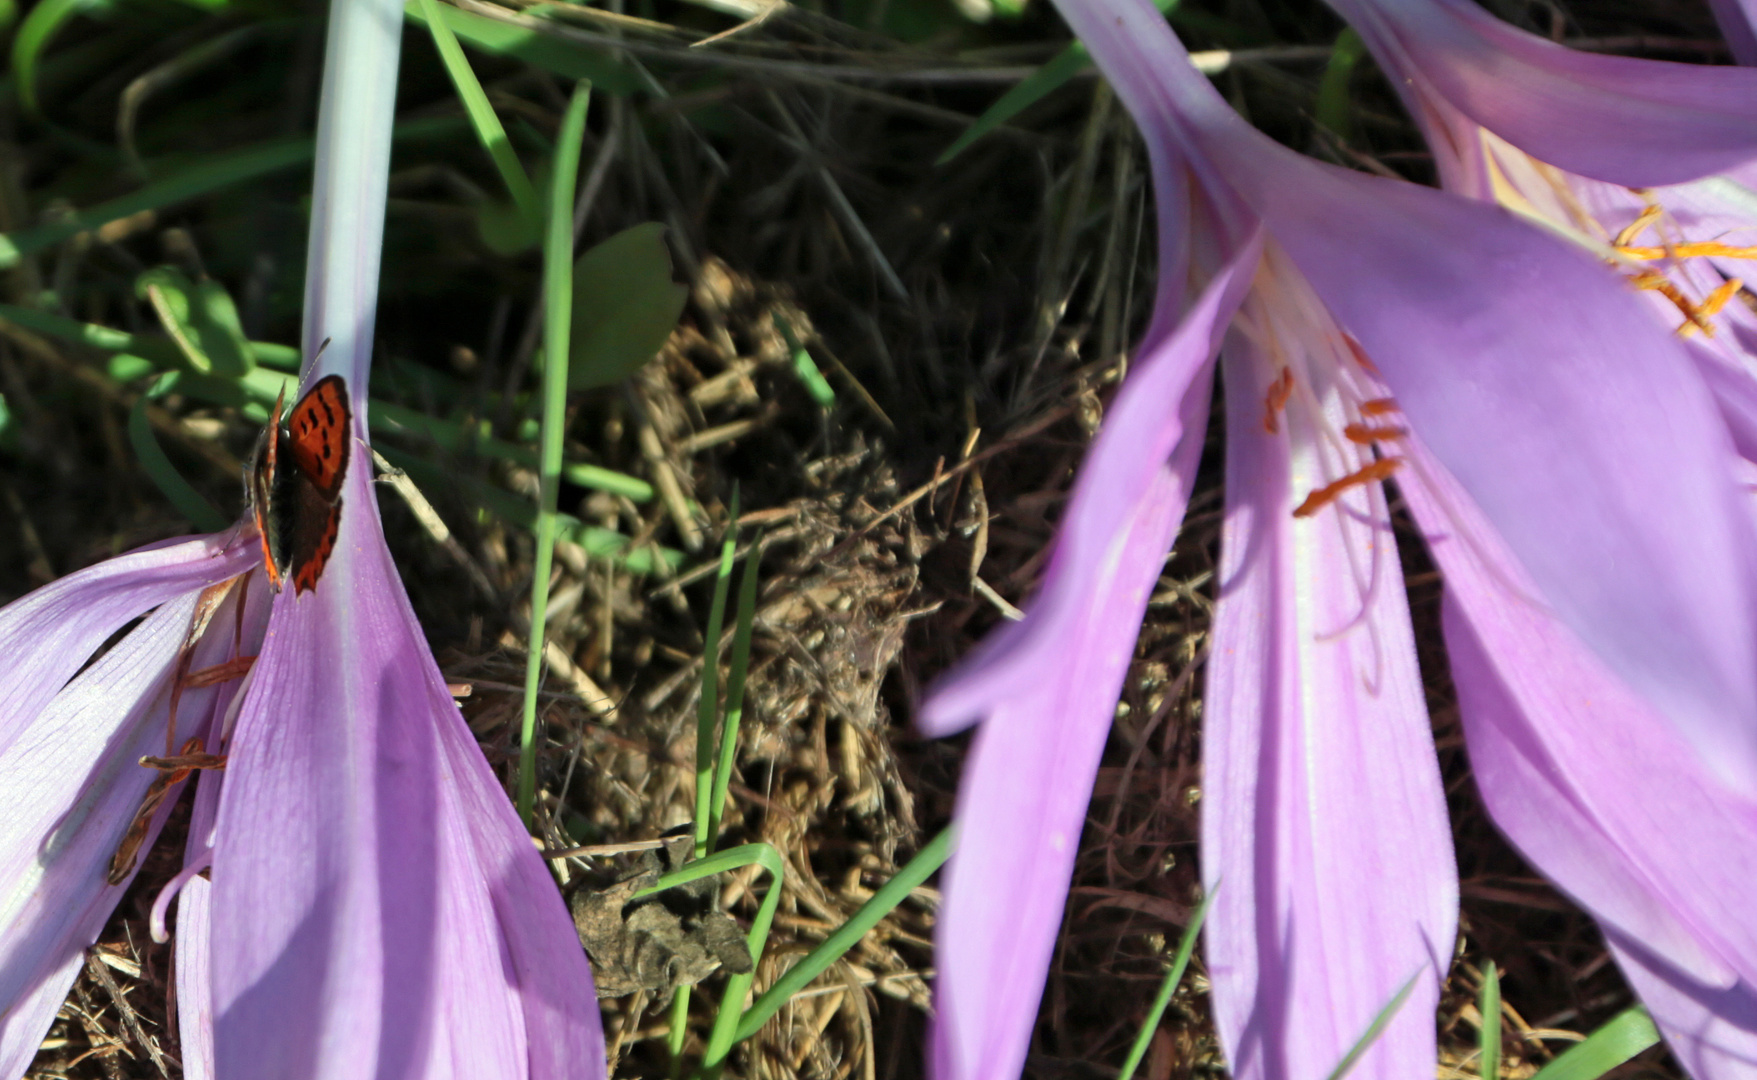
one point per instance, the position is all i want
(1378, 406)
(1322, 497)
(1719, 297)
(1366, 435)
(1360, 355)
(1696, 249)
(172, 771)
(1276, 400)
(1647, 217)
(219, 673)
(1658, 283)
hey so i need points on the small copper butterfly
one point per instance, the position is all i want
(294, 482)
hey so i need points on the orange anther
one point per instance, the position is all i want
(1366, 434)
(1276, 400)
(1317, 500)
(1719, 297)
(1360, 354)
(1647, 217)
(1693, 314)
(171, 771)
(1698, 249)
(1378, 406)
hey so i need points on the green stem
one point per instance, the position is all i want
(557, 318)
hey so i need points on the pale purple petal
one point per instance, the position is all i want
(1738, 24)
(1710, 1030)
(1538, 379)
(1636, 122)
(361, 894)
(74, 784)
(49, 634)
(1048, 688)
(195, 1016)
(1324, 829)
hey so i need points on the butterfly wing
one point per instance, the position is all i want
(321, 434)
(259, 482)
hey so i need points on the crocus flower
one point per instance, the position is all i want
(375, 907)
(1653, 166)
(1572, 475)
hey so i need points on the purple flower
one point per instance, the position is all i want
(1574, 480)
(1653, 166)
(375, 907)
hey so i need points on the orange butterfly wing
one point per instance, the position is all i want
(321, 434)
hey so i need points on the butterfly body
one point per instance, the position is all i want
(294, 482)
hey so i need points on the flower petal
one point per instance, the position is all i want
(1048, 688)
(1324, 831)
(1558, 743)
(1538, 380)
(195, 1017)
(1711, 1031)
(362, 895)
(74, 785)
(49, 634)
(1635, 122)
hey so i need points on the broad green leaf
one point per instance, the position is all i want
(222, 332)
(1621, 1038)
(167, 290)
(201, 319)
(552, 54)
(624, 306)
(179, 491)
(504, 229)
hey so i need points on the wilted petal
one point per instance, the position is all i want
(1636, 122)
(51, 633)
(1324, 828)
(1048, 688)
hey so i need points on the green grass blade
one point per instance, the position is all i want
(1621, 1038)
(34, 34)
(557, 314)
(741, 635)
(1489, 1059)
(1332, 108)
(488, 127)
(599, 543)
(210, 174)
(460, 438)
(1173, 975)
(805, 368)
(929, 859)
(182, 495)
(1030, 90)
(708, 707)
(1375, 1029)
(539, 50)
(160, 350)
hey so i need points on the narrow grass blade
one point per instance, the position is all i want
(539, 50)
(1489, 1059)
(1333, 108)
(1377, 1028)
(1173, 975)
(182, 495)
(557, 313)
(1621, 1038)
(599, 543)
(210, 174)
(34, 34)
(805, 368)
(160, 350)
(1030, 90)
(708, 707)
(488, 127)
(741, 634)
(459, 438)
(929, 859)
